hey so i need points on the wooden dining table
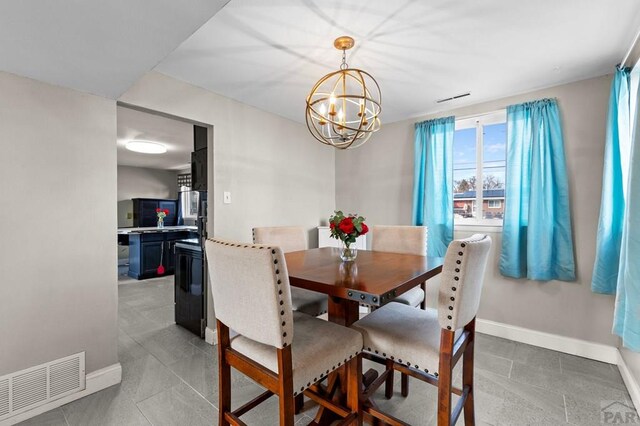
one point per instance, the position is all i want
(374, 278)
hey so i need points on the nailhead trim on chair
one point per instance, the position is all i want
(454, 288)
(279, 282)
(399, 361)
(325, 374)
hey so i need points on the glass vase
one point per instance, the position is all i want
(160, 223)
(347, 253)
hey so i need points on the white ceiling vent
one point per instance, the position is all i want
(26, 389)
(462, 95)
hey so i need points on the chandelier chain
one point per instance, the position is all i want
(344, 64)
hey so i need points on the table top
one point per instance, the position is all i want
(374, 278)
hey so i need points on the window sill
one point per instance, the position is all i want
(477, 227)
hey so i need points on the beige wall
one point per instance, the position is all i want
(377, 181)
(140, 182)
(58, 193)
(276, 172)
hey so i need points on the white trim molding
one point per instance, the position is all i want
(210, 336)
(95, 381)
(631, 382)
(568, 345)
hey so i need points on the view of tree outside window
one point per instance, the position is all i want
(479, 152)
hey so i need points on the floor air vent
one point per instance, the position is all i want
(26, 389)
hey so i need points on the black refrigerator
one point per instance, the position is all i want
(190, 287)
(190, 260)
(191, 277)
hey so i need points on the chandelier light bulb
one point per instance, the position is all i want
(323, 114)
(332, 105)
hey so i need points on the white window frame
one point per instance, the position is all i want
(497, 205)
(477, 122)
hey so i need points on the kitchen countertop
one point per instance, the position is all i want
(153, 229)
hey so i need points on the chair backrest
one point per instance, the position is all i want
(288, 238)
(400, 239)
(250, 290)
(462, 279)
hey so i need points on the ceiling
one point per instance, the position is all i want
(176, 135)
(100, 47)
(269, 54)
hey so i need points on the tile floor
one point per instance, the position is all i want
(169, 379)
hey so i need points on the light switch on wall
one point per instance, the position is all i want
(227, 197)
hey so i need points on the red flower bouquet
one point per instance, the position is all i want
(162, 213)
(347, 229)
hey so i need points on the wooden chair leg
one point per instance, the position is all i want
(467, 374)
(444, 379)
(404, 385)
(423, 304)
(388, 385)
(285, 391)
(224, 375)
(354, 387)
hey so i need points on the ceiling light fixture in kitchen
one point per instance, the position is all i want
(146, 147)
(343, 106)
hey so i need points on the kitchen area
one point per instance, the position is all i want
(162, 212)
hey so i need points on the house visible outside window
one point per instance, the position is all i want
(479, 155)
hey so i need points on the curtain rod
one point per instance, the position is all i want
(635, 43)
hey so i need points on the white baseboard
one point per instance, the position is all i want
(210, 336)
(631, 382)
(95, 381)
(568, 345)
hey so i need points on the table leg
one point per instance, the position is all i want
(343, 312)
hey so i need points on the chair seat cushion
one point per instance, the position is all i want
(403, 334)
(308, 302)
(413, 297)
(318, 348)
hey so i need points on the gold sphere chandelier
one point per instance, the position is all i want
(343, 106)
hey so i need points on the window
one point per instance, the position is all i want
(479, 155)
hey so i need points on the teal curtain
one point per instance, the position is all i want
(614, 182)
(433, 182)
(626, 322)
(536, 233)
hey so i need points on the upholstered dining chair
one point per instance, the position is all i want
(286, 352)
(427, 344)
(293, 238)
(408, 240)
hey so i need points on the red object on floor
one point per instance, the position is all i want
(160, 270)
